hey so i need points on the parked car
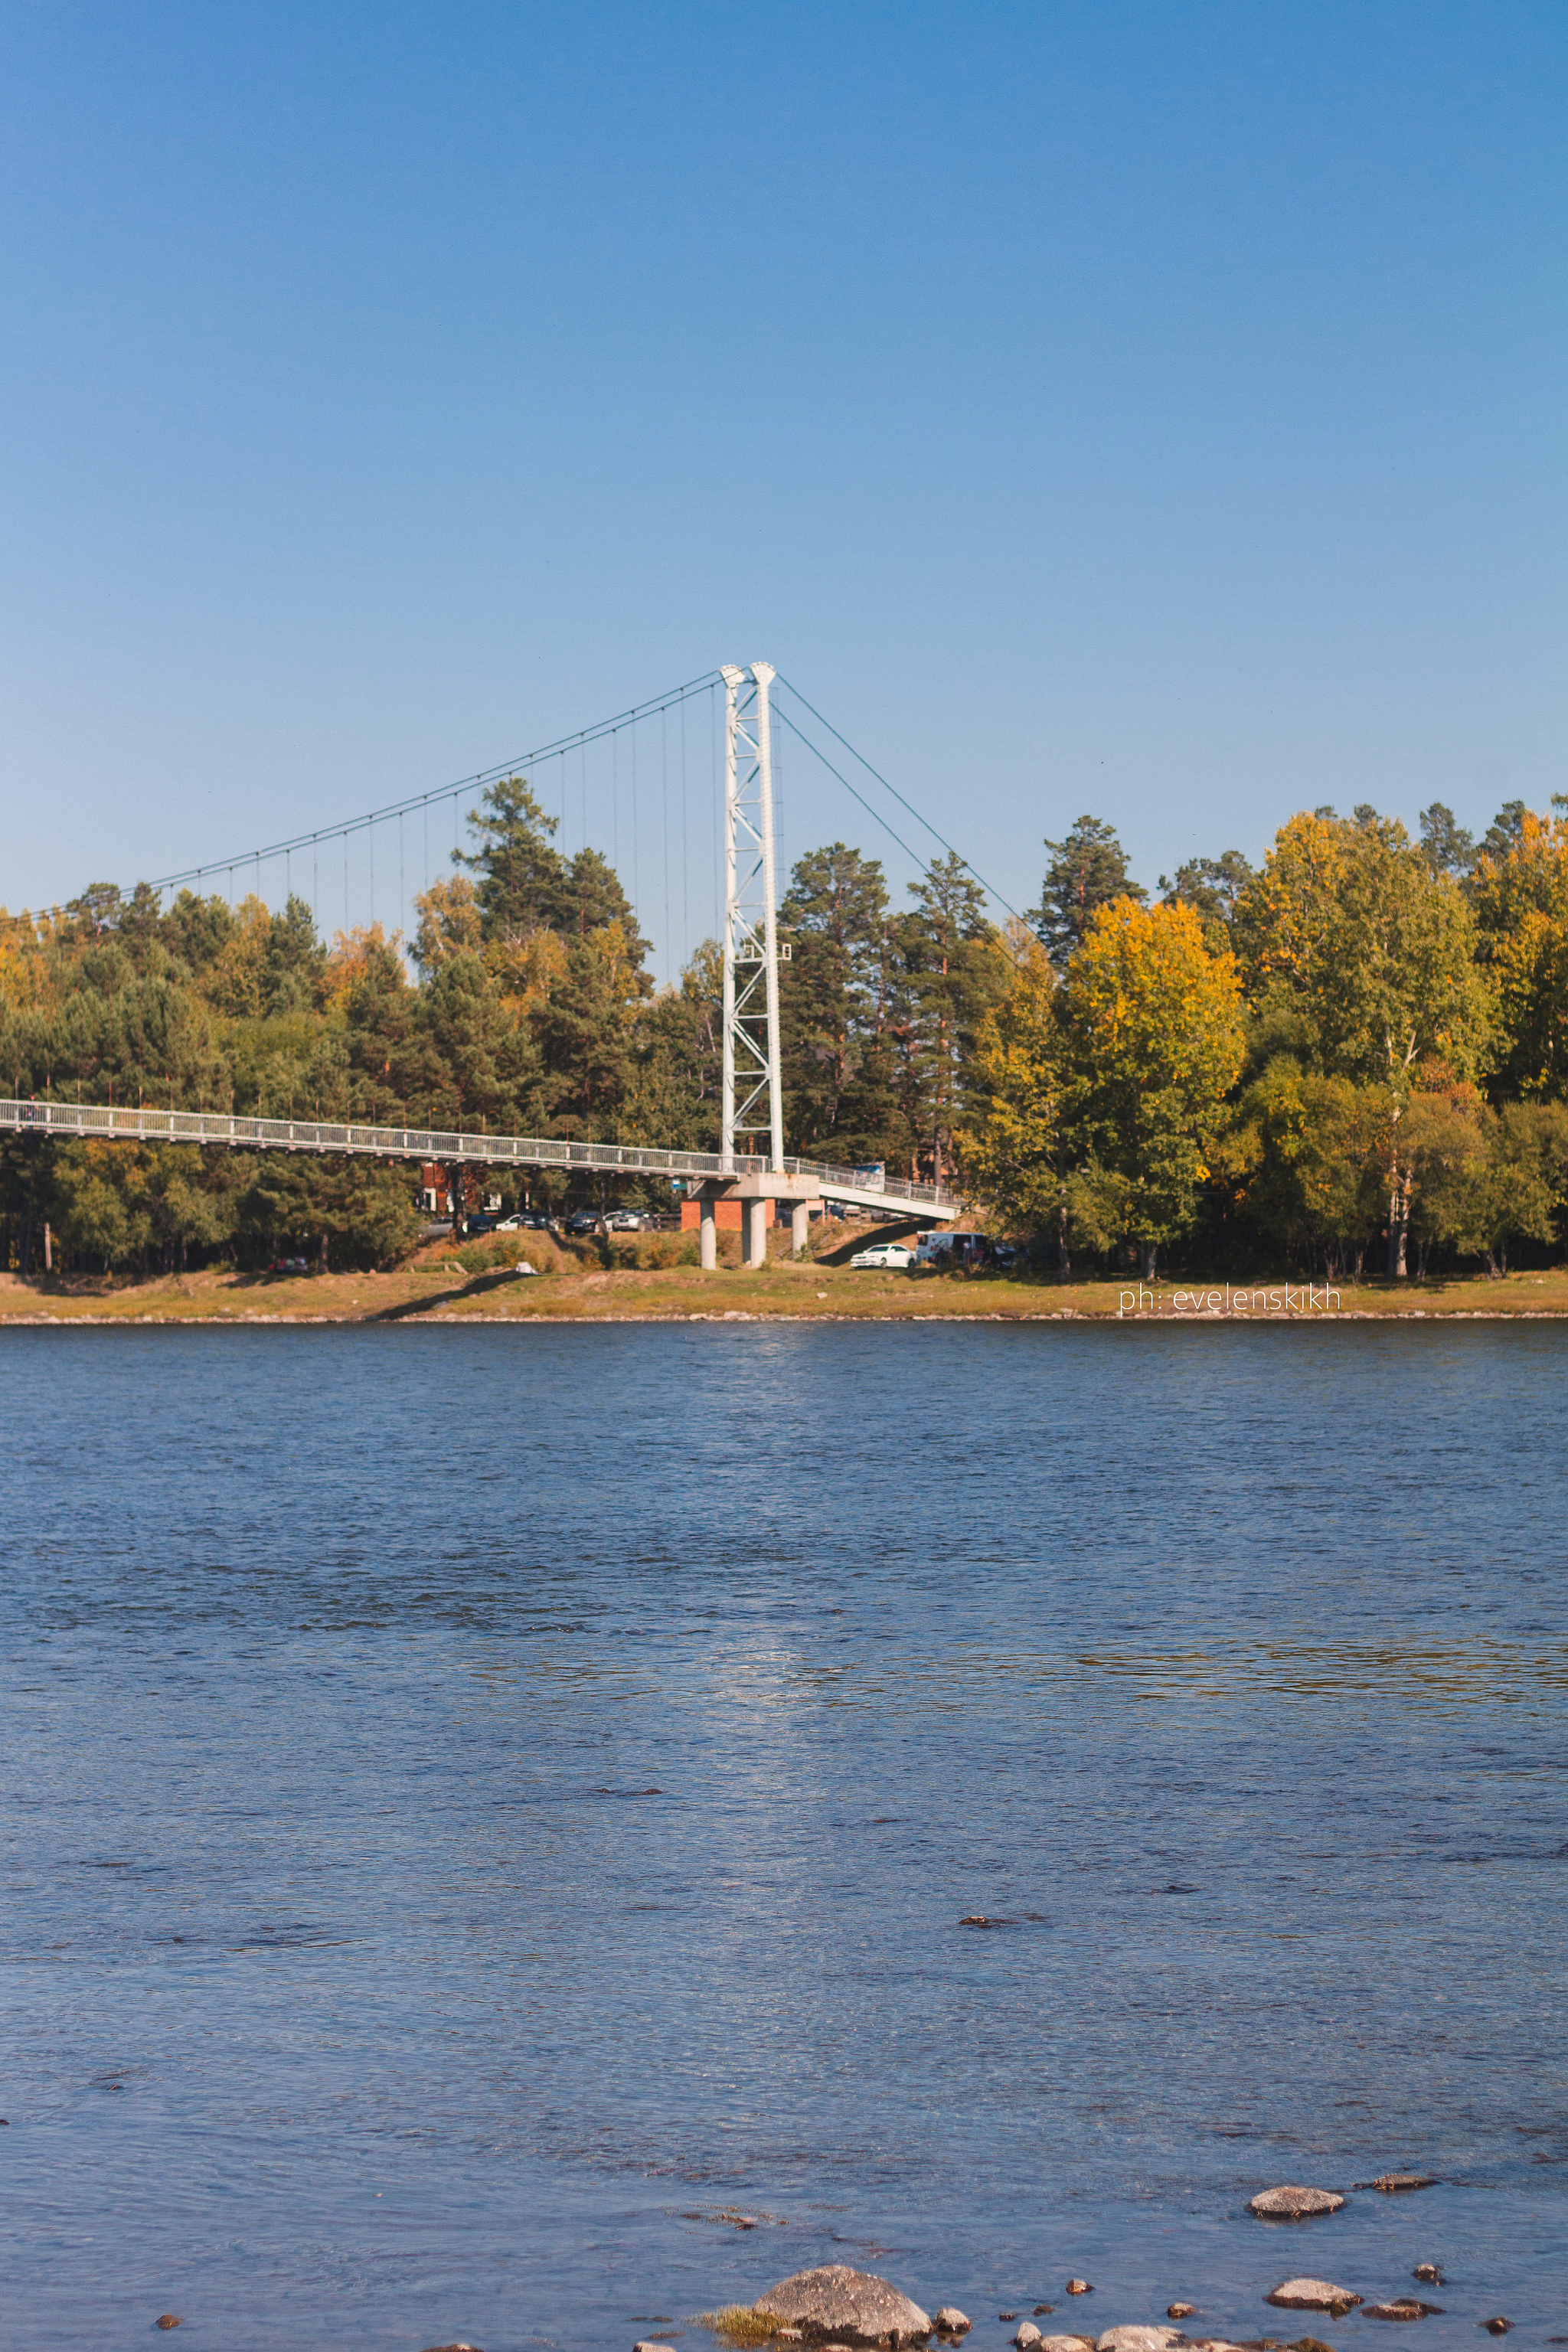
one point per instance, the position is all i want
(474, 1226)
(885, 1254)
(582, 1222)
(624, 1221)
(535, 1221)
(289, 1265)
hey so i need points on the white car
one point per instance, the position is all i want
(892, 1254)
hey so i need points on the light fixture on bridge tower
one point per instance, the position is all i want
(751, 937)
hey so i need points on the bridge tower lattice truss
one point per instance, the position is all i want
(752, 1095)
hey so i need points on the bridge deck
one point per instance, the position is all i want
(144, 1124)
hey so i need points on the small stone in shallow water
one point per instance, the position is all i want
(1137, 2339)
(1080, 2286)
(1028, 2335)
(1312, 2294)
(1403, 2306)
(1390, 2183)
(1064, 2344)
(1294, 2203)
(1180, 2310)
(1428, 2274)
(1039, 2308)
(167, 2319)
(951, 2321)
(1499, 2326)
(653, 2347)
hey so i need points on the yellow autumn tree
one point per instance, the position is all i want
(1154, 1025)
(1286, 910)
(1521, 912)
(1015, 1142)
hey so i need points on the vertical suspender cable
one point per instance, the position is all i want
(637, 868)
(664, 806)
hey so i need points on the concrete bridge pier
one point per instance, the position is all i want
(753, 1193)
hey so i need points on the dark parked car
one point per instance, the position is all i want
(474, 1226)
(583, 1222)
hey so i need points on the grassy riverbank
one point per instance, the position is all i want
(436, 1287)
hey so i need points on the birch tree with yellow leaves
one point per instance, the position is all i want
(1099, 1098)
(1154, 1021)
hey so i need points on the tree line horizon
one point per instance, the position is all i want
(1355, 1047)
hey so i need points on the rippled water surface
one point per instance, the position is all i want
(480, 1805)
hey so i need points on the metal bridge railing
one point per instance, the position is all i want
(145, 1124)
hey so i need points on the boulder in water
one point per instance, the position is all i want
(1138, 2339)
(844, 2306)
(1313, 2294)
(1294, 2203)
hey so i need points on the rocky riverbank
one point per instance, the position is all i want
(838, 2309)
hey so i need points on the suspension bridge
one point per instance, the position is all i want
(764, 1181)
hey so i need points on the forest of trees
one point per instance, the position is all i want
(1351, 1059)
(528, 1010)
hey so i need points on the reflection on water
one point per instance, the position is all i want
(482, 1805)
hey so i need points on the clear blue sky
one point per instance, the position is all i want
(1156, 410)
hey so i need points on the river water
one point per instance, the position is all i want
(481, 1805)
